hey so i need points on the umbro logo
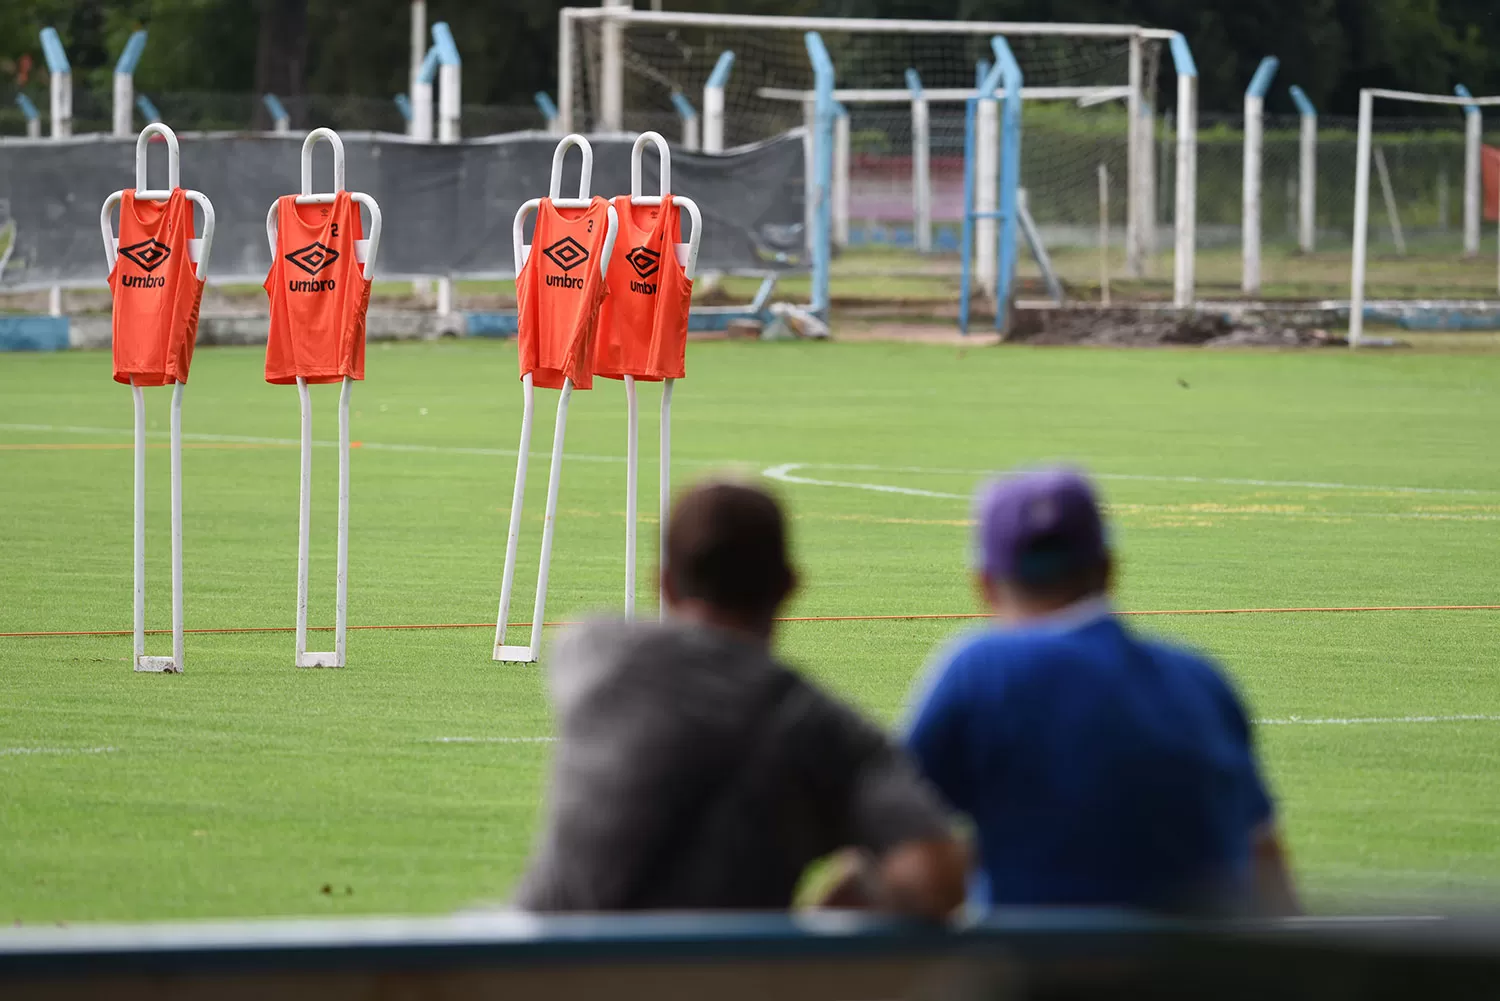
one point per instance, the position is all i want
(567, 253)
(149, 254)
(313, 258)
(644, 260)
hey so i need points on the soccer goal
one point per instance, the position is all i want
(1468, 279)
(884, 117)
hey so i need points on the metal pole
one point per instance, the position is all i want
(1389, 196)
(1186, 211)
(632, 489)
(1103, 235)
(665, 487)
(565, 29)
(1473, 174)
(549, 526)
(341, 616)
(1361, 219)
(1135, 263)
(966, 241)
(450, 83)
(176, 460)
(612, 67)
(822, 200)
(1307, 173)
(921, 165)
(304, 519)
(1250, 198)
(1010, 181)
(713, 103)
(518, 497)
(417, 54)
(841, 167)
(1255, 103)
(138, 607)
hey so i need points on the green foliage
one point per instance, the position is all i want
(1330, 48)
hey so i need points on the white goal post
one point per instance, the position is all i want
(1363, 158)
(619, 70)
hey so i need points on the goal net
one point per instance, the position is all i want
(1405, 269)
(632, 70)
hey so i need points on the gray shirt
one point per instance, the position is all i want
(694, 772)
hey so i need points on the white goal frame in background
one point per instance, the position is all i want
(1367, 98)
(1140, 150)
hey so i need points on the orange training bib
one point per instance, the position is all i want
(156, 291)
(319, 294)
(643, 325)
(559, 292)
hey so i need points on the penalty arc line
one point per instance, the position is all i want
(784, 468)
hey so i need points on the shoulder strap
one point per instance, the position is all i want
(715, 785)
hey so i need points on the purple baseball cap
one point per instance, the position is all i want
(1037, 525)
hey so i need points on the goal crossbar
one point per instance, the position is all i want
(858, 24)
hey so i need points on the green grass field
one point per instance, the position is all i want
(248, 787)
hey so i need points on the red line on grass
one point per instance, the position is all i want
(796, 618)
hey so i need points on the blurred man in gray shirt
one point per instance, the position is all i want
(695, 772)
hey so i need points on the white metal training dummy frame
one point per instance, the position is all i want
(364, 253)
(197, 252)
(528, 654)
(687, 256)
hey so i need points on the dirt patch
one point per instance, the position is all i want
(1161, 328)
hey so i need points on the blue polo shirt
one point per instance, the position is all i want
(1097, 767)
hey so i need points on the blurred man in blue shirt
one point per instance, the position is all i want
(1097, 767)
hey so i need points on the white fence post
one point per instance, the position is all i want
(1148, 182)
(281, 122)
(124, 96)
(689, 117)
(418, 55)
(61, 84)
(1473, 177)
(1135, 264)
(841, 168)
(612, 68)
(713, 104)
(450, 86)
(421, 97)
(548, 109)
(986, 179)
(1307, 173)
(1185, 219)
(1361, 218)
(1255, 103)
(921, 165)
(33, 117)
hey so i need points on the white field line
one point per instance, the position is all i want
(489, 740)
(18, 751)
(1287, 721)
(1378, 720)
(784, 473)
(785, 468)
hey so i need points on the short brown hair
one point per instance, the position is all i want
(727, 546)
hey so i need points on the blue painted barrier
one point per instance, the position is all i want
(33, 333)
